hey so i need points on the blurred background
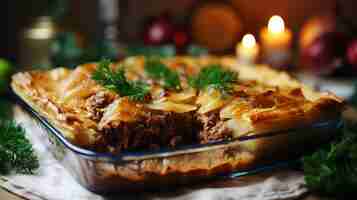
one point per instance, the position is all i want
(83, 16)
(316, 40)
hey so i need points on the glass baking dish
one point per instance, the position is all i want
(106, 173)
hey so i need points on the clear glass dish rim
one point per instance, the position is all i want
(162, 152)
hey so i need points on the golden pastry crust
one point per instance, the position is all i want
(264, 100)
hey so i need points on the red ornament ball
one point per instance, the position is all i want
(315, 27)
(180, 38)
(158, 31)
(352, 53)
(325, 54)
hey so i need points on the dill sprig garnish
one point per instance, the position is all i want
(214, 76)
(158, 70)
(116, 81)
(16, 152)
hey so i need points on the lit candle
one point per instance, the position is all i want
(247, 50)
(276, 42)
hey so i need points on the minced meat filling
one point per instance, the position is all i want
(157, 129)
(212, 128)
(153, 131)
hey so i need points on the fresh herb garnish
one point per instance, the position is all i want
(117, 82)
(214, 76)
(16, 152)
(158, 70)
(333, 170)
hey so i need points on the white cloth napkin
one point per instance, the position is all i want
(53, 182)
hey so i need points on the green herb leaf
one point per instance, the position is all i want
(117, 82)
(214, 76)
(333, 169)
(16, 152)
(158, 70)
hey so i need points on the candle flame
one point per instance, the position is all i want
(248, 41)
(276, 24)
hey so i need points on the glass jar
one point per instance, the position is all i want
(35, 43)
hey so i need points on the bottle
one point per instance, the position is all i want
(109, 21)
(35, 43)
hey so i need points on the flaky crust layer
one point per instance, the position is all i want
(265, 100)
